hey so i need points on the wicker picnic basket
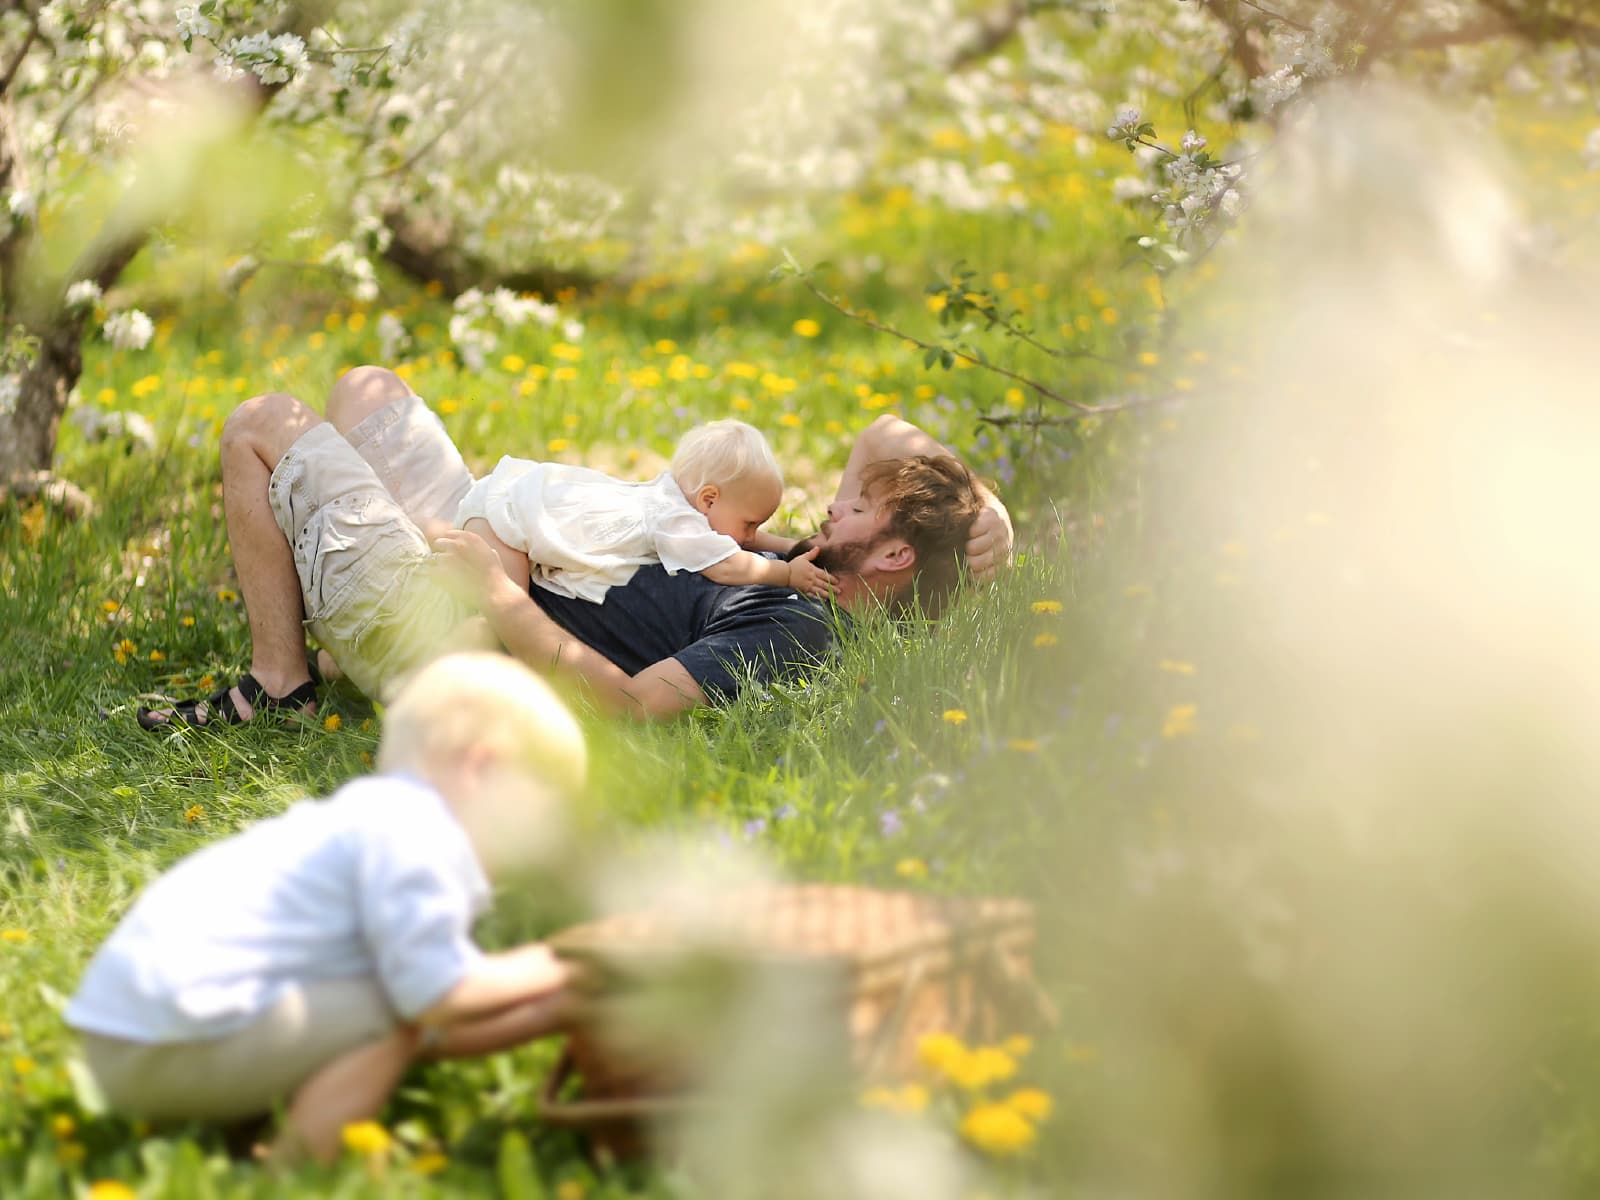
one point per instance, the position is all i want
(884, 967)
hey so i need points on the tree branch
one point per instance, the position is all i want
(1078, 406)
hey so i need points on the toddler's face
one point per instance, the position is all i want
(740, 509)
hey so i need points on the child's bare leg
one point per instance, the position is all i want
(353, 1087)
(507, 1028)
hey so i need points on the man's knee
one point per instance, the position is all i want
(362, 391)
(267, 424)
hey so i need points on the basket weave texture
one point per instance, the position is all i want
(897, 966)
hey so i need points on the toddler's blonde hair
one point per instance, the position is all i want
(488, 704)
(723, 453)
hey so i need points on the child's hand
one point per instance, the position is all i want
(809, 579)
(472, 562)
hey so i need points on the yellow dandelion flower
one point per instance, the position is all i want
(13, 935)
(911, 1099)
(911, 868)
(106, 395)
(227, 595)
(1033, 1103)
(980, 1067)
(571, 1189)
(206, 682)
(63, 1126)
(157, 656)
(1109, 315)
(109, 606)
(366, 758)
(878, 1098)
(448, 405)
(1046, 608)
(666, 346)
(558, 445)
(430, 1163)
(186, 622)
(332, 722)
(566, 352)
(936, 1049)
(110, 1189)
(953, 716)
(515, 364)
(997, 1129)
(23, 1065)
(740, 404)
(1173, 666)
(195, 812)
(806, 327)
(1043, 640)
(1179, 720)
(357, 322)
(564, 374)
(790, 421)
(367, 1138)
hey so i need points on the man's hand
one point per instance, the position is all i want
(808, 578)
(989, 544)
(471, 561)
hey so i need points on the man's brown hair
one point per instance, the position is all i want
(932, 501)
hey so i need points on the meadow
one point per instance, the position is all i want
(1058, 724)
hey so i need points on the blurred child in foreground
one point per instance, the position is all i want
(309, 960)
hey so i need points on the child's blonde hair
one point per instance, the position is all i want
(722, 452)
(487, 704)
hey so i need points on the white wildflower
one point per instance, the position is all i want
(1128, 188)
(83, 294)
(392, 336)
(22, 204)
(1192, 143)
(129, 329)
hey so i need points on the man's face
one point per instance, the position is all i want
(847, 539)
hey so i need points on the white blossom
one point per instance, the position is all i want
(85, 293)
(192, 23)
(22, 204)
(129, 329)
(1591, 150)
(392, 336)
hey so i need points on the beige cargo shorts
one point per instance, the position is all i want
(352, 509)
(247, 1072)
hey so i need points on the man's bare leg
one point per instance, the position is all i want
(256, 436)
(356, 395)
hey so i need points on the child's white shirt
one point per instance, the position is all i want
(585, 532)
(379, 879)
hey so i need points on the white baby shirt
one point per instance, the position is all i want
(585, 532)
(379, 879)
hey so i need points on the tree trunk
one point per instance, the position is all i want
(28, 434)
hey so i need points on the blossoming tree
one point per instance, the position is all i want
(509, 149)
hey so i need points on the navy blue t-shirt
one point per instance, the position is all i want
(722, 635)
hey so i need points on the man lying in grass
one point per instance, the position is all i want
(309, 960)
(330, 524)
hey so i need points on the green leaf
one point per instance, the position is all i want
(928, 358)
(519, 1178)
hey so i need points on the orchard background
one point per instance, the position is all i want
(1271, 325)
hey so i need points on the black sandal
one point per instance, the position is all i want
(220, 709)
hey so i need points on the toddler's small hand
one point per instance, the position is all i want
(808, 578)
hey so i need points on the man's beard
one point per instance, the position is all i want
(836, 558)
